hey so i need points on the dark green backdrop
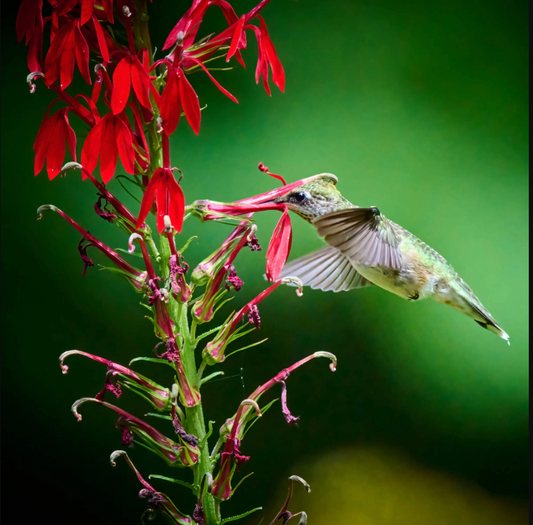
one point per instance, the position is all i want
(418, 107)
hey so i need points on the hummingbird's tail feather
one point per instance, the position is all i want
(472, 307)
(327, 270)
(488, 321)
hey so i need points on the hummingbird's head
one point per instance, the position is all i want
(316, 198)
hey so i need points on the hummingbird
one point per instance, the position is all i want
(364, 248)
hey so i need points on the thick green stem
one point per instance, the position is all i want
(194, 416)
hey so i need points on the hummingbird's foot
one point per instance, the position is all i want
(414, 297)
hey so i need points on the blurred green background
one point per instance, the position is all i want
(418, 107)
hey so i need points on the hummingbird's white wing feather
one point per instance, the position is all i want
(326, 269)
(363, 235)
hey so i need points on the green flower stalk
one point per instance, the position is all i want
(132, 107)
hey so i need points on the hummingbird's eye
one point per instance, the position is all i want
(298, 197)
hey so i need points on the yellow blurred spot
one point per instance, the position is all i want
(373, 486)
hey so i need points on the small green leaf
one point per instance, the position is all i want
(246, 347)
(237, 486)
(207, 436)
(134, 254)
(255, 418)
(172, 480)
(152, 360)
(240, 516)
(161, 416)
(186, 245)
(209, 332)
(209, 377)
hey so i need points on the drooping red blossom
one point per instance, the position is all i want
(110, 138)
(159, 500)
(155, 393)
(135, 276)
(129, 74)
(68, 49)
(169, 199)
(49, 145)
(177, 95)
(28, 18)
(214, 269)
(183, 453)
(267, 58)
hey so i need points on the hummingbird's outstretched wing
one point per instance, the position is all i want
(326, 269)
(363, 235)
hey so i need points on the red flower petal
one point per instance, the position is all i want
(68, 59)
(169, 104)
(92, 146)
(140, 82)
(82, 55)
(28, 16)
(236, 37)
(279, 247)
(100, 37)
(124, 143)
(225, 91)
(148, 197)
(108, 154)
(162, 201)
(53, 57)
(35, 50)
(190, 102)
(70, 136)
(56, 147)
(87, 8)
(176, 210)
(41, 143)
(121, 85)
(278, 73)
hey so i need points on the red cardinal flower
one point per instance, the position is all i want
(50, 146)
(68, 48)
(87, 10)
(169, 198)
(130, 73)
(178, 94)
(112, 133)
(268, 57)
